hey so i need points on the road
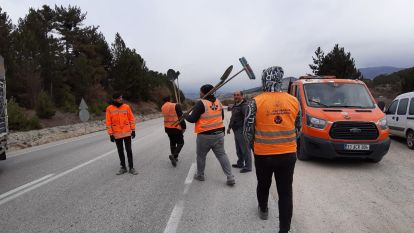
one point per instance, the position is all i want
(71, 186)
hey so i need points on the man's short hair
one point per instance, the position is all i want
(241, 92)
(166, 99)
(206, 88)
(116, 95)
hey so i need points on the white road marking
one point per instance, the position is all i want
(175, 218)
(177, 212)
(47, 179)
(2, 196)
(189, 179)
(11, 197)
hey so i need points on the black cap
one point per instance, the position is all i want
(116, 95)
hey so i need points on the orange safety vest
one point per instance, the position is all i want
(275, 131)
(170, 115)
(120, 122)
(212, 117)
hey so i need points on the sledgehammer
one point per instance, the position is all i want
(223, 80)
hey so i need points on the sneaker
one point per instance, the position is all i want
(121, 171)
(236, 166)
(173, 161)
(263, 215)
(132, 171)
(231, 181)
(245, 170)
(199, 177)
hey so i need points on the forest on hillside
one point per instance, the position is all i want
(53, 59)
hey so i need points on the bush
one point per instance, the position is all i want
(44, 106)
(98, 108)
(18, 120)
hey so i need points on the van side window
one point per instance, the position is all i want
(411, 111)
(402, 107)
(393, 107)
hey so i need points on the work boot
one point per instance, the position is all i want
(132, 171)
(199, 177)
(173, 161)
(121, 171)
(236, 166)
(263, 215)
(230, 181)
(245, 170)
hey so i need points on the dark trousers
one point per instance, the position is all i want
(282, 166)
(120, 146)
(176, 140)
(243, 151)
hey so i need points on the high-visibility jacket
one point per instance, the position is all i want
(275, 131)
(170, 115)
(212, 117)
(120, 122)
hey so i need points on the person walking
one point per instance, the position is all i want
(208, 117)
(120, 124)
(271, 126)
(236, 124)
(172, 112)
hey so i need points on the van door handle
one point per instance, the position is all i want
(398, 118)
(393, 118)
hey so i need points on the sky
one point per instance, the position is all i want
(201, 38)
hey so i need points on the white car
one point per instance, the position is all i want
(400, 117)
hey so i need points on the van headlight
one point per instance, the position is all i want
(315, 122)
(383, 123)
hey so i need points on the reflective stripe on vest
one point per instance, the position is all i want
(212, 117)
(170, 115)
(275, 124)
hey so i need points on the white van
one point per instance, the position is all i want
(400, 117)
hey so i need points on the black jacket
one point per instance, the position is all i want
(238, 113)
(195, 115)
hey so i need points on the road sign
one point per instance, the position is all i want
(83, 111)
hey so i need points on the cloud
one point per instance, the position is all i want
(202, 38)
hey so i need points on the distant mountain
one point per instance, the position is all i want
(372, 72)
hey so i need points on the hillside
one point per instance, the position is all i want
(372, 72)
(53, 60)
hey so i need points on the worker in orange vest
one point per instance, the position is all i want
(172, 112)
(271, 127)
(120, 124)
(208, 117)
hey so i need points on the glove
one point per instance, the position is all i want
(112, 138)
(133, 134)
(228, 131)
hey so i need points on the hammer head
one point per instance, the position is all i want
(247, 68)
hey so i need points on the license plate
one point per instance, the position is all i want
(356, 147)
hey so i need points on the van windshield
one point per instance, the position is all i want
(335, 95)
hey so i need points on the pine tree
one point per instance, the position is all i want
(337, 62)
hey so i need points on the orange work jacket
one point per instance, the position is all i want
(120, 122)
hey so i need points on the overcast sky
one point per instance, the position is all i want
(202, 38)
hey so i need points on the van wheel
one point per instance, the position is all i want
(302, 155)
(410, 139)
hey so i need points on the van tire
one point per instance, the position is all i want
(302, 155)
(410, 139)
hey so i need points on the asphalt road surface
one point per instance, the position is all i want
(71, 186)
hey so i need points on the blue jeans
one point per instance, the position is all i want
(244, 154)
